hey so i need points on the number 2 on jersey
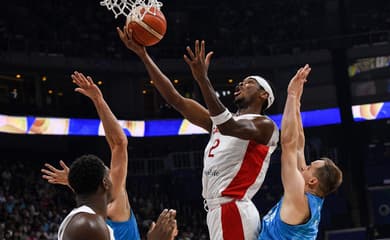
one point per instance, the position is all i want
(215, 145)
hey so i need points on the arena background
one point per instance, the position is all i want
(346, 43)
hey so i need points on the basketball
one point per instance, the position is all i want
(151, 29)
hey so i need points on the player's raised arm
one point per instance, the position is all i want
(259, 129)
(301, 134)
(189, 108)
(119, 209)
(294, 202)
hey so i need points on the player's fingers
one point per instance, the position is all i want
(48, 178)
(175, 232)
(162, 216)
(75, 78)
(49, 173)
(63, 165)
(297, 74)
(197, 48)
(125, 32)
(129, 33)
(83, 78)
(45, 176)
(173, 225)
(187, 60)
(303, 72)
(299, 71)
(202, 49)
(190, 53)
(80, 78)
(305, 68)
(208, 57)
(152, 226)
(89, 79)
(50, 167)
(80, 90)
(121, 34)
(165, 221)
(306, 72)
(172, 213)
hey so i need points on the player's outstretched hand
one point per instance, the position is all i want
(86, 86)
(165, 228)
(199, 62)
(126, 35)
(295, 87)
(54, 175)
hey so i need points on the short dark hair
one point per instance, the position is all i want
(86, 174)
(329, 176)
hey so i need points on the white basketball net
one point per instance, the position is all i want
(131, 8)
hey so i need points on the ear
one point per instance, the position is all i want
(313, 182)
(106, 183)
(264, 95)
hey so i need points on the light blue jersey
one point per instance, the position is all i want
(127, 230)
(273, 228)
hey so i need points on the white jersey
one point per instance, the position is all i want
(234, 167)
(68, 218)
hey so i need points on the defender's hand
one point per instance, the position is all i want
(165, 228)
(295, 87)
(56, 176)
(86, 86)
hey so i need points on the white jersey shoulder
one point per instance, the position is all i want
(68, 218)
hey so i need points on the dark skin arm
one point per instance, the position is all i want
(189, 108)
(259, 129)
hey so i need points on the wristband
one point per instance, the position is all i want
(222, 118)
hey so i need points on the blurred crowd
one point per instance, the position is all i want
(247, 28)
(30, 209)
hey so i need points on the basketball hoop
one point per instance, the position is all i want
(132, 8)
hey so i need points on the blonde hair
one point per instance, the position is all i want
(329, 177)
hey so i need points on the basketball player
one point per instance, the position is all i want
(90, 179)
(164, 229)
(237, 157)
(297, 214)
(119, 212)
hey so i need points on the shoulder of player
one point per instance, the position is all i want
(88, 225)
(295, 210)
(263, 120)
(264, 123)
(119, 210)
